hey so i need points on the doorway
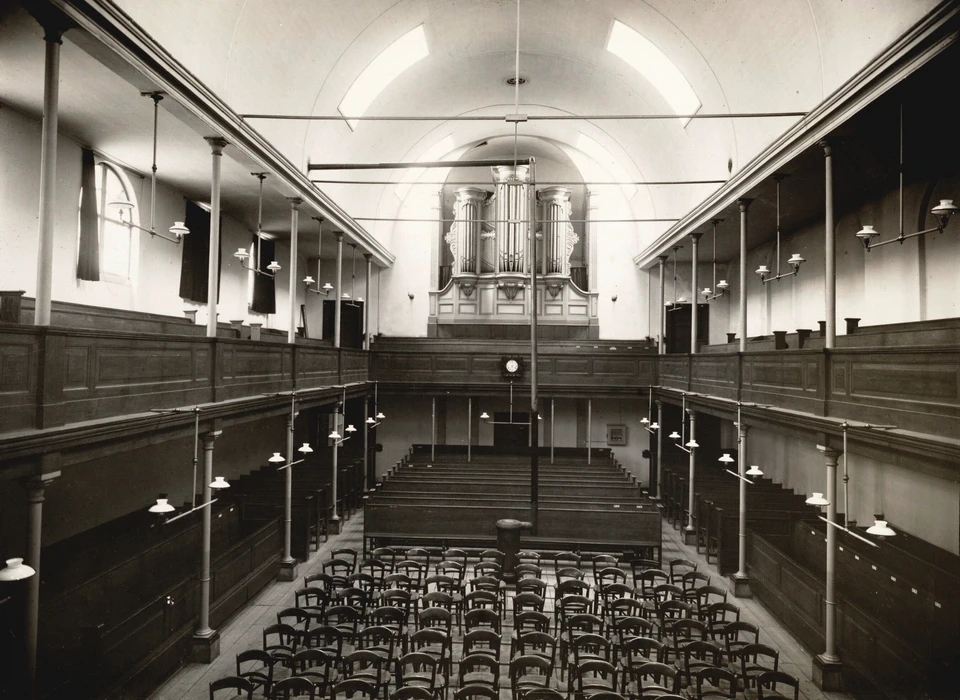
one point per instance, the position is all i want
(511, 438)
(678, 327)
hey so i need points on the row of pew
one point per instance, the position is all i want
(445, 500)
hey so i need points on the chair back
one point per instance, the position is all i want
(234, 683)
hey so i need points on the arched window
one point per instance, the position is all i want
(118, 240)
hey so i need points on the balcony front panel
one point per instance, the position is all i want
(792, 380)
(19, 359)
(247, 369)
(716, 375)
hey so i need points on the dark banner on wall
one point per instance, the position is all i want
(194, 266)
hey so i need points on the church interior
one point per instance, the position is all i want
(515, 349)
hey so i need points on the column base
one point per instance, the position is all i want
(690, 537)
(288, 570)
(205, 648)
(741, 586)
(827, 675)
(333, 526)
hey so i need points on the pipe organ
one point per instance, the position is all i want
(489, 242)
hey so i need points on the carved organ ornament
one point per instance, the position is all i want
(489, 235)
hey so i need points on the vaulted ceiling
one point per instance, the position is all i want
(300, 58)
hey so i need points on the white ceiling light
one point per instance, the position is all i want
(381, 71)
(653, 64)
(608, 162)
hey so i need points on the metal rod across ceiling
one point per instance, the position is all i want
(650, 183)
(529, 117)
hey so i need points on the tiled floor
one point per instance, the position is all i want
(244, 630)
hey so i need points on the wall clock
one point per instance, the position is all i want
(512, 367)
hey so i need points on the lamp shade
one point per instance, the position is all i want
(692, 443)
(484, 416)
(763, 270)
(345, 295)
(162, 505)
(682, 300)
(274, 266)
(16, 570)
(334, 435)
(796, 259)
(707, 291)
(754, 470)
(654, 426)
(867, 233)
(327, 286)
(241, 253)
(722, 285)
(360, 299)
(880, 529)
(308, 280)
(943, 211)
(219, 483)
(644, 421)
(370, 420)
(305, 448)
(121, 203)
(178, 229)
(350, 429)
(380, 416)
(817, 499)
(277, 458)
(726, 458)
(674, 435)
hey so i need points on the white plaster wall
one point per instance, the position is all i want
(155, 286)
(922, 505)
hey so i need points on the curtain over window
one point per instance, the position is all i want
(88, 255)
(264, 287)
(194, 266)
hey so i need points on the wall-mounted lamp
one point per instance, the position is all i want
(242, 255)
(16, 570)
(647, 421)
(308, 280)
(162, 506)
(722, 286)
(375, 420)
(278, 458)
(677, 301)
(178, 230)
(942, 212)
(410, 294)
(880, 528)
(795, 260)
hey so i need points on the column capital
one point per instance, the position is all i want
(830, 455)
(209, 438)
(827, 147)
(695, 236)
(663, 258)
(36, 484)
(743, 428)
(368, 256)
(217, 144)
(339, 235)
(744, 203)
(295, 202)
(53, 21)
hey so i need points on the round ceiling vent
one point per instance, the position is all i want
(513, 81)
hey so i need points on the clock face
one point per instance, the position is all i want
(512, 366)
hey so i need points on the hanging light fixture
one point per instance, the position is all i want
(353, 285)
(795, 260)
(242, 255)
(16, 570)
(304, 449)
(754, 470)
(178, 230)
(375, 420)
(818, 500)
(677, 301)
(650, 427)
(721, 286)
(880, 528)
(308, 280)
(691, 444)
(942, 212)
(162, 506)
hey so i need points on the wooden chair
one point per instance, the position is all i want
(479, 692)
(678, 567)
(652, 680)
(755, 660)
(716, 682)
(233, 683)
(352, 687)
(595, 676)
(317, 666)
(368, 666)
(280, 641)
(482, 641)
(479, 669)
(256, 666)
(422, 670)
(412, 692)
(767, 685)
(529, 672)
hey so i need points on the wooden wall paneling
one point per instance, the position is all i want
(316, 366)
(792, 380)
(19, 361)
(718, 375)
(252, 368)
(674, 371)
